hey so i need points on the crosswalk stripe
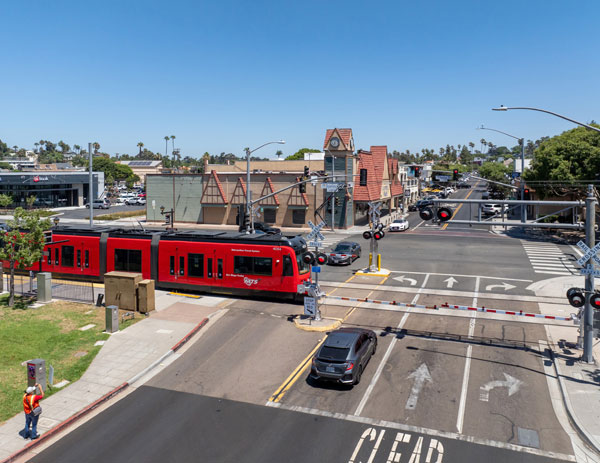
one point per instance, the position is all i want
(548, 258)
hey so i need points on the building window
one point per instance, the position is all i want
(299, 216)
(196, 265)
(128, 260)
(68, 256)
(270, 215)
(253, 265)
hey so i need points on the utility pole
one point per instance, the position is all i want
(588, 313)
(91, 187)
(523, 206)
(334, 193)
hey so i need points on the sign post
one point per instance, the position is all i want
(313, 291)
(374, 215)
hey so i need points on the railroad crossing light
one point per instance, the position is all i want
(444, 214)
(308, 258)
(455, 174)
(576, 297)
(367, 235)
(378, 234)
(363, 177)
(595, 301)
(426, 213)
(321, 258)
(306, 171)
(417, 171)
(380, 226)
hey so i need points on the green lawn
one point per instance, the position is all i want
(121, 215)
(50, 332)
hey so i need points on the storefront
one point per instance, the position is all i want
(51, 189)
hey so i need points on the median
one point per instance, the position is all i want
(121, 215)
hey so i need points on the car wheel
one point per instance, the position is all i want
(358, 375)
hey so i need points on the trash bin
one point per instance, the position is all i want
(36, 372)
(112, 319)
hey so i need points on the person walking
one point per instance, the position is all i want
(31, 406)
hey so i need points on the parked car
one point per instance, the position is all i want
(262, 227)
(493, 209)
(344, 355)
(485, 195)
(132, 201)
(99, 204)
(420, 204)
(345, 252)
(398, 225)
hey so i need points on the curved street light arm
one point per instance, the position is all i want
(500, 131)
(504, 108)
(248, 151)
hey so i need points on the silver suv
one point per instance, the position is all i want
(493, 209)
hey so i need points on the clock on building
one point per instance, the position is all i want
(334, 142)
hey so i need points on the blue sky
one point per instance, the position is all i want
(227, 74)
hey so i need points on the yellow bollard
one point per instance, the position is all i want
(370, 259)
(379, 262)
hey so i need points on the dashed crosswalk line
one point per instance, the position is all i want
(548, 258)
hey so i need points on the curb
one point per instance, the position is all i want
(109, 395)
(334, 323)
(580, 430)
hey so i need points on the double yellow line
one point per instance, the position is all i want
(305, 363)
(459, 206)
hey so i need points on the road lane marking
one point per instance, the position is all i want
(387, 354)
(460, 275)
(421, 430)
(459, 206)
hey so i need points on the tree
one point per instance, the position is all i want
(564, 163)
(5, 200)
(23, 244)
(77, 148)
(299, 155)
(64, 147)
(140, 146)
(495, 171)
(278, 153)
(166, 144)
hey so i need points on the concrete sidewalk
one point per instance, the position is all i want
(124, 358)
(579, 382)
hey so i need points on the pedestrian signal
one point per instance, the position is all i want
(321, 258)
(308, 258)
(426, 213)
(444, 214)
(367, 235)
(595, 301)
(576, 297)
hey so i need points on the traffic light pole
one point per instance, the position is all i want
(588, 313)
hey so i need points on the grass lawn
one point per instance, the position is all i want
(50, 332)
(121, 215)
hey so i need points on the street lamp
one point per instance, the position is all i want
(504, 108)
(522, 143)
(248, 199)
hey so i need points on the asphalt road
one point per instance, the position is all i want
(83, 213)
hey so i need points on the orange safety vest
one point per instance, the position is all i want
(30, 401)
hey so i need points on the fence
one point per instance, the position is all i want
(79, 291)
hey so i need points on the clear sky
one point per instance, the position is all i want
(225, 74)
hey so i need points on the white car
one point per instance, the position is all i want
(398, 225)
(493, 209)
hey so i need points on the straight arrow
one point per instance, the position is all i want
(420, 375)
(450, 282)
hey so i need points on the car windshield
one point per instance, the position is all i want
(343, 248)
(334, 353)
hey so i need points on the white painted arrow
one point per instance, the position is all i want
(420, 375)
(402, 279)
(504, 285)
(513, 385)
(450, 281)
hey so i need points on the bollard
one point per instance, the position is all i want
(112, 319)
(379, 262)
(44, 287)
(370, 259)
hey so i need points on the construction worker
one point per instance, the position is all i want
(32, 409)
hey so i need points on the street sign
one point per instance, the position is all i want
(316, 244)
(443, 178)
(315, 232)
(316, 269)
(589, 270)
(332, 187)
(310, 306)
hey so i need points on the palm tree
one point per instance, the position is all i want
(15, 149)
(166, 144)
(96, 147)
(471, 145)
(140, 146)
(173, 146)
(279, 153)
(77, 148)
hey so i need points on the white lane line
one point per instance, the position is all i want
(421, 430)
(476, 292)
(387, 354)
(553, 273)
(417, 226)
(459, 275)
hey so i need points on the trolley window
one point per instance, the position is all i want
(181, 265)
(128, 260)
(172, 265)
(252, 265)
(68, 256)
(79, 258)
(56, 256)
(49, 257)
(209, 268)
(288, 270)
(196, 265)
(219, 268)
(87, 259)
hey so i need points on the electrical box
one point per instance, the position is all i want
(36, 373)
(120, 289)
(112, 318)
(44, 287)
(146, 302)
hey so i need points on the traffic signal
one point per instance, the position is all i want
(308, 258)
(367, 235)
(302, 187)
(336, 201)
(417, 171)
(363, 177)
(595, 301)
(576, 297)
(321, 258)
(168, 219)
(426, 213)
(444, 214)
(246, 221)
(378, 234)
(455, 175)
(526, 193)
(306, 171)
